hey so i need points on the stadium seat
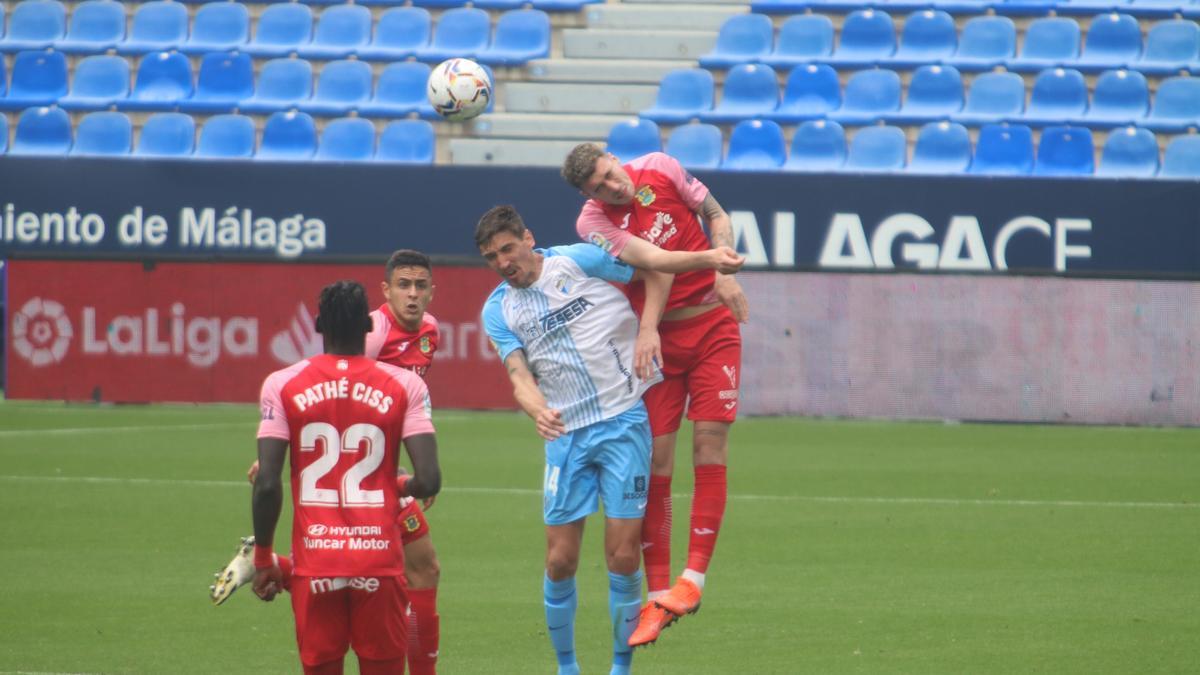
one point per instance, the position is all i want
(751, 90)
(38, 79)
(696, 146)
(341, 88)
(780, 6)
(400, 33)
(463, 31)
(1181, 159)
(755, 145)
(1059, 96)
(35, 24)
(521, 36)
(1065, 151)
(985, 42)
(42, 131)
(817, 145)
(225, 80)
(993, 97)
(1170, 47)
(1113, 41)
(1129, 152)
(161, 25)
(96, 26)
(226, 136)
(282, 84)
(877, 149)
(1003, 150)
(802, 39)
(934, 92)
(282, 29)
(743, 38)
(103, 133)
(167, 134)
(400, 91)
(929, 36)
(868, 37)
(633, 138)
(347, 139)
(406, 141)
(683, 95)
(1120, 97)
(219, 26)
(1049, 42)
(870, 95)
(100, 81)
(942, 148)
(812, 91)
(288, 136)
(341, 31)
(164, 79)
(1176, 105)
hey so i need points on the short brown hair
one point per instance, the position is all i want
(581, 164)
(499, 219)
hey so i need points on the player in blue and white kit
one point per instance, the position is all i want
(567, 337)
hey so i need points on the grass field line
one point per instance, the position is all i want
(932, 501)
(5, 433)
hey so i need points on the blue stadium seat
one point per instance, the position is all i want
(751, 90)
(341, 31)
(225, 80)
(934, 92)
(219, 26)
(282, 84)
(226, 136)
(942, 148)
(521, 36)
(877, 149)
(164, 79)
(812, 91)
(1003, 150)
(1113, 41)
(755, 145)
(870, 95)
(42, 131)
(347, 139)
(1059, 96)
(96, 26)
(802, 39)
(780, 6)
(743, 38)
(1170, 47)
(400, 33)
(993, 97)
(167, 134)
(1181, 159)
(985, 42)
(282, 29)
(817, 145)
(1129, 153)
(463, 31)
(1049, 42)
(38, 79)
(35, 24)
(100, 81)
(161, 25)
(633, 138)
(683, 95)
(1065, 151)
(696, 146)
(929, 36)
(1120, 97)
(400, 92)
(868, 37)
(288, 136)
(1176, 105)
(103, 133)
(1156, 8)
(406, 141)
(341, 88)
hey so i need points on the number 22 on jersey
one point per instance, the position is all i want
(356, 438)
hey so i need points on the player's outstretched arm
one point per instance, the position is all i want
(266, 504)
(720, 231)
(426, 479)
(548, 421)
(646, 256)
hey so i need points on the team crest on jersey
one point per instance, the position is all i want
(426, 345)
(412, 524)
(599, 240)
(563, 282)
(343, 364)
(645, 196)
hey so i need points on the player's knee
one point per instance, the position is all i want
(710, 443)
(561, 565)
(624, 560)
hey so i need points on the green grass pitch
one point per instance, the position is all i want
(848, 547)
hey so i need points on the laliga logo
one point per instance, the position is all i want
(317, 530)
(300, 340)
(41, 332)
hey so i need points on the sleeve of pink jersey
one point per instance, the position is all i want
(378, 334)
(595, 227)
(690, 189)
(418, 417)
(273, 422)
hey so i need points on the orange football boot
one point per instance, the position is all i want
(683, 598)
(652, 620)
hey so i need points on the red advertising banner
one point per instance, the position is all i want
(128, 332)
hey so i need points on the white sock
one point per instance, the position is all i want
(654, 595)
(694, 577)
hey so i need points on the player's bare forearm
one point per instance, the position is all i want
(658, 289)
(646, 256)
(530, 399)
(266, 501)
(720, 226)
(426, 478)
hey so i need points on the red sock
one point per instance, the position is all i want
(372, 667)
(708, 507)
(423, 631)
(656, 534)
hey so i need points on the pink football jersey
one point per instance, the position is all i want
(392, 343)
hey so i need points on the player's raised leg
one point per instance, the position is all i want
(562, 559)
(240, 571)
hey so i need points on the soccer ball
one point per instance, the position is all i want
(459, 89)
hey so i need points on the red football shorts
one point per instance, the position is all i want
(702, 357)
(412, 523)
(366, 613)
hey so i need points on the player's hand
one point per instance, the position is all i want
(725, 260)
(647, 352)
(268, 582)
(729, 292)
(252, 473)
(549, 424)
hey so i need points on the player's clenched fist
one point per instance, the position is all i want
(267, 582)
(725, 260)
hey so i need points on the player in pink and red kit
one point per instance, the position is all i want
(691, 327)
